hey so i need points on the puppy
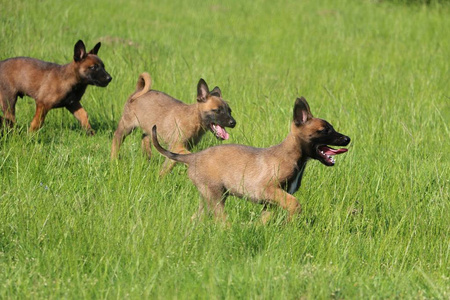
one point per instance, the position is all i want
(180, 125)
(263, 175)
(51, 85)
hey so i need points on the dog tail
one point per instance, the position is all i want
(184, 158)
(143, 85)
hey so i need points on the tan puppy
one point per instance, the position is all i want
(181, 125)
(51, 85)
(264, 175)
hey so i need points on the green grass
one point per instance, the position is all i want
(74, 225)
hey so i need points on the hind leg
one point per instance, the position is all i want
(168, 163)
(8, 106)
(124, 128)
(214, 199)
(146, 145)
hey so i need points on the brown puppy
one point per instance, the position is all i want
(51, 85)
(264, 175)
(180, 125)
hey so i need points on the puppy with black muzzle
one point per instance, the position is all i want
(51, 85)
(263, 175)
(180, 125)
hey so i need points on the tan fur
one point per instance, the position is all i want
(143, 85)
(51, 85)
(181, 125)
(260, 174)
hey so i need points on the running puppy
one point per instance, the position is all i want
(264, 175)
(51, 85)
(180, 125)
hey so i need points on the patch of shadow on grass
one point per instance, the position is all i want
(104, 125)
(243, 240)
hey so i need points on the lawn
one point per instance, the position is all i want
(75, 225)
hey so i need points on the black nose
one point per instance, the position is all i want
(232, 123)
(346, 140)
(108, 78)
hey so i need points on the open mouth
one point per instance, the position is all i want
(326, 154)
(219, 131)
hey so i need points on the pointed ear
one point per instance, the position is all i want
(301, 111)
(202, 90)
(79, 52)
(95, 49)
(216, 90)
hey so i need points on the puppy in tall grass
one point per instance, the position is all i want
(181, 125)
(264, 175)
(51, 85)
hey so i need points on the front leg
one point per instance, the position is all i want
(81, 115)
(266, 215)
(39, 117)
(276, 195)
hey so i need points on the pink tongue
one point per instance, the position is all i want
(330, 151)
(220, 132)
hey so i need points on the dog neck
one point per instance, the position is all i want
(291, 148)
(70, 71)
(196, 126)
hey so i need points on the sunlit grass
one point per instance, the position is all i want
(75, 225)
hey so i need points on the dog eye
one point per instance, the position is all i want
(93, 67)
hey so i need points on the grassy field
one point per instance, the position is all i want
(74, 225)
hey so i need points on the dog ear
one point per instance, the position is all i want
(202, 90)
(95, 49)
(302, 113)
(79, 52)
(217, 91)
